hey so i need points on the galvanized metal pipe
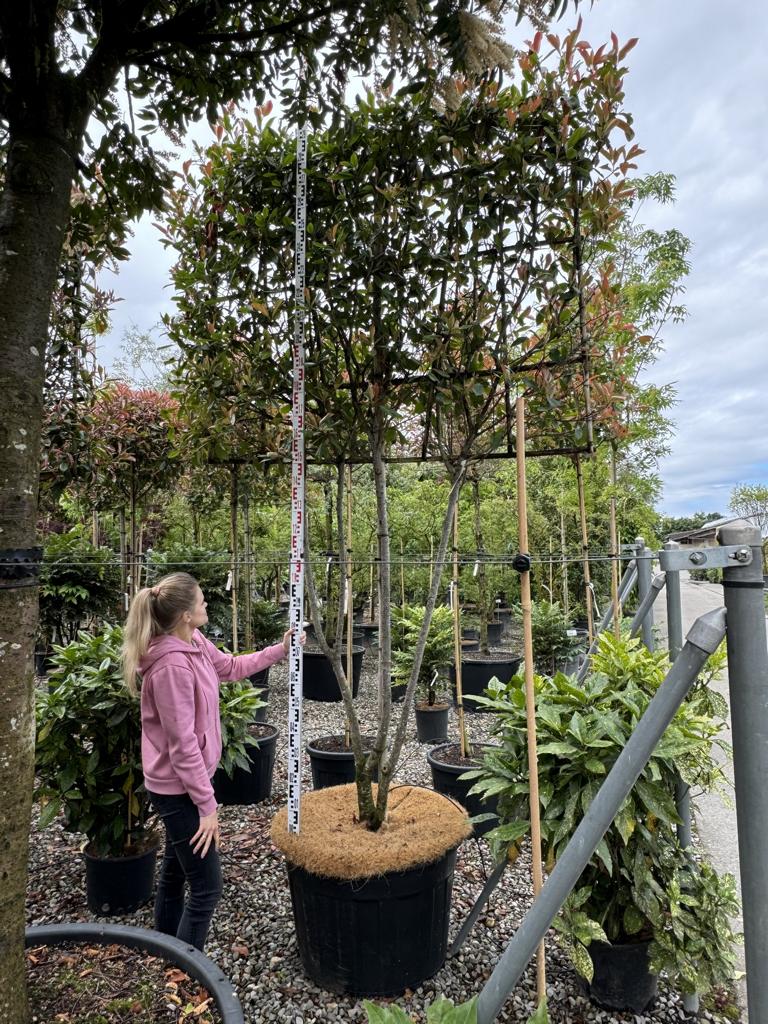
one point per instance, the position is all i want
(705, 636)
(643, 616)
(682, 790)
(643, 558)
(748, 684)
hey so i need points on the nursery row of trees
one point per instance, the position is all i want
(472, 237)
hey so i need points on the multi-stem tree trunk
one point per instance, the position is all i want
(33, 216)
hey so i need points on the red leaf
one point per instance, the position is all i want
(537, 42)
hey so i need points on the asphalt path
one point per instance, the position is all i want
(715, 814)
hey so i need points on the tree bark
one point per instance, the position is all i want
(33, 216)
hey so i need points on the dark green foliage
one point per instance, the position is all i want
(209, 567)
(637, 884)
(267, 623)
(77, 582)
(551, 643)
(88, 752)
(238, 702)
(438, 653)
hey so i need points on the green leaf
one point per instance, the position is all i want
(442, 1011)
(541, 1015)
(49, 811)
(385, 1014)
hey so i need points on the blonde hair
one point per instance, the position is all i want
(154, 611)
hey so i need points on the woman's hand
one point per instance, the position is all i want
(287, 639)
(207, 832)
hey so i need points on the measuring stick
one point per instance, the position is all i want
(295, 660)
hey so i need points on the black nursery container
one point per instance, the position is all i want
(332, 767)
(256, 785)
(622, 979)
(320, 680)
(119, 885)
(260, 679)
(446, 779)
(377, 936)
(475, 676)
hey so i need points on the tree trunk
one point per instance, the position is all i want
(482, 583)
(33, 216)
(247, 575)
(235, 555)
(123, 563)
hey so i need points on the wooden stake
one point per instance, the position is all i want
(402, 576)
(457, 632)
(371, 585)
(347, 737)
(614, 551)
(530, 698)
(564, 554)
(584, 548)
(248, 602)
(233, 540)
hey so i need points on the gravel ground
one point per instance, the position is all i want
(252, 936)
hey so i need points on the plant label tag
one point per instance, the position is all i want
(228, 584)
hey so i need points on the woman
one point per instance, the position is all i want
(181, 740)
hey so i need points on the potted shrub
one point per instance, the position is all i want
(88, 763)
(244, 775)
(554, 641)
(637, 908)
(267, 624)
(78, 582)
(431, 711)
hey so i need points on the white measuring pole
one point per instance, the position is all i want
(295, 660)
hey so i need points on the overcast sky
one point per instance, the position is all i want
(697, 87)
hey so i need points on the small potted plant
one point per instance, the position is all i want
(88, 763)
(639, 907)
(431, 710)
(244, 775)
(268, 626)
(555, 642)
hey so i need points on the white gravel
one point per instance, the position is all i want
(252, 936)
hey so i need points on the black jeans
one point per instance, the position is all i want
(190, 920)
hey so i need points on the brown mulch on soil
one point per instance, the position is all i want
(451, 754)
(85, 984)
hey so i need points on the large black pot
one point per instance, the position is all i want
(333, 767)
(495, 629)
(622, 978)
(373, 937)
(168, 947)
(320, 680)
(476, 675)
(250, 787)
(431, 722)
(446, 779)
(119, 885)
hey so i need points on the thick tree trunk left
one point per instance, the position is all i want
(33, 217)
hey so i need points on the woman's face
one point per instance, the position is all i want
(199, 611)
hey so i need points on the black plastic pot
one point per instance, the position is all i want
(622, 978)
(373, 937)
(260, 679)
(470, 643)
(475, 676)
(167, 947)
(398, 691)
(332, 767)
(495, 629)
(446, 779)
(320, 680)
(119, 885)
(470, 633)
(249, 787)
(369, 631)
(431, 722)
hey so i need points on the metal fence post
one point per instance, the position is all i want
(682, 790)
(748, 685)
(643, 556)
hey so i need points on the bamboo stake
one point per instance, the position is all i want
(551, 570)
(347, 736)
(614, 551)
(530, 698)
(248, 602)
(402, 576)
(95, 528)
(585, 548)
(371, 585)
(457, 632)
(233, 540)
(564, 553)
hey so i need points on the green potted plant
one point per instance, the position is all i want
(244, 775)
(78, 582)
(554, 640)
(267, 624)
(638, 908)
(430, 708)
(88, 763)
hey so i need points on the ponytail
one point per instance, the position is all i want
(154, 611)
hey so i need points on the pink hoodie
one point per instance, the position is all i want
(180, 727)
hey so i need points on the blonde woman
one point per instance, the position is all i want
(181, 740)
